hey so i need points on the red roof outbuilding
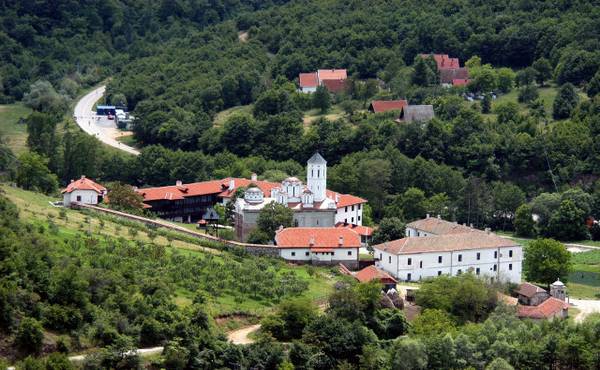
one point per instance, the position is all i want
(370, 273)
(551, 307)
(317, 238)
(84, 184)
(308, 79)
(378, 106)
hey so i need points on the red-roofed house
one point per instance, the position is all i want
(333, 79)
(443, 61)
(549, 309)
(83, 191)
(308, 82)
(319, 245)
(449, 69)
(371, 273)
(379, 106)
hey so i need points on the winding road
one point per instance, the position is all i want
(86, 118)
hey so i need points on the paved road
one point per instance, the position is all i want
(240, 336)
(86, 119)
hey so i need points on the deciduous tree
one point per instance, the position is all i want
(546, 260)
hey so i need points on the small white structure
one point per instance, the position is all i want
(83, 191)
(319, 245)
(455, 250)
(558, 290)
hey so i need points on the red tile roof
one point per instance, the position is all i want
(443, 61)
(216, 187)
(317, 237)
(378, 106)
(84, 184)
(449, 75)
(371, 273)
(344, 200)
(445, 243)
(335, 86)
(332, 74)
(545, 310)
(529, 290)
(361, 230)
(460, 82)
(308, 79)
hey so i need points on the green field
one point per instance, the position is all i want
(222, 116)
(334, 113)
(36, 208)
(15, 133)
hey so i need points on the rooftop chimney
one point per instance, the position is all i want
(83, 176)
(427, 216)
(231, 184)
(341, 241)
(439, 216)
(471, 225)
(311, 241)
(488, 230)
(253, 177)
(72, 180)
(178, 183)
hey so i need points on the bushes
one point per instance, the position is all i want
(29, 336)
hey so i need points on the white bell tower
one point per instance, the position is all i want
(316, 177)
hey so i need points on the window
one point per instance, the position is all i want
(510, 266)
(510, 253)
(359, 206)
(345, 220)
(358, 218)
(495, 267)
(477, 271)
(352, 208)
(418, 233)
(420, 264)
(408, 277)
(495, 254)
(79, 198)
(380, 256)
(409, 261)
(307, 253)
(478, 256)
(349, 253)
(352, 220)
(389, 259)
(439, 259)
(459, 272)
(318, 173)
(460, 258)
(439, 273)
(346, 209)
(293, 254)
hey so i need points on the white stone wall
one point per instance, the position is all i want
(309, 218)
(351, 214)
(416, 232)
(424, 265)
(86, 197)
(308, 90)
(299, 254)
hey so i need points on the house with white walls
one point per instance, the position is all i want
(434, 247)
(319, 245)
(83, 191)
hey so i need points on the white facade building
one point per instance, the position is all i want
(457, 251)
(319, 245)
(83, 191)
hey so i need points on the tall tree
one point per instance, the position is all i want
(546, 260)
(321, 99)
(593, 87)
(33, 174)
(524, 223)
(272, 216)
(568, 222)
(389, 229)
(543, 70)
(565, 102)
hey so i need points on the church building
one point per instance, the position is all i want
(313, 204)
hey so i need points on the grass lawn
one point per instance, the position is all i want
(14, 133)
(334, 113)
(128, 140)
(222, 116)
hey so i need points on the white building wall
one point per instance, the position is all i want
(86, 196)
(308, 90)
(425, 265)
(416, 232)
(300, 254)
(351, 214)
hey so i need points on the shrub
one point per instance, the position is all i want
(29, 336)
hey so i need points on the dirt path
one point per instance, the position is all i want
(240, 336)
(585, 307)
